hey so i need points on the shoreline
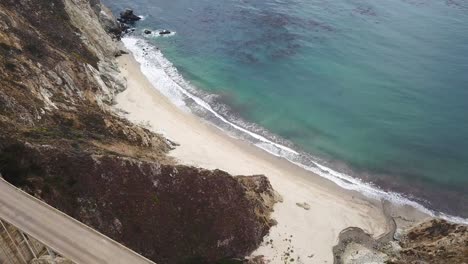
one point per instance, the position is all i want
(168, 81)
(311, 232)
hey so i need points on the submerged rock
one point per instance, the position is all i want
(164, 32)
(147, 31)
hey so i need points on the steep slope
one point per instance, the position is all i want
(61, 141)
(435, 241)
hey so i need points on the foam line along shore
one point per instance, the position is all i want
(329, 207)
(165, 77)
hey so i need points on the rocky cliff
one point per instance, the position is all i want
(432, 242)
(61, 142)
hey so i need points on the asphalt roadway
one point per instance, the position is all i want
(63, 234)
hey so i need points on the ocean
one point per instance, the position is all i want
(370, 94)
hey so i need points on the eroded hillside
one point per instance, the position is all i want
(61, 142)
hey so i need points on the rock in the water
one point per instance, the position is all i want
(128, 16)
(126, 20)
(147, 31)
(164, 32)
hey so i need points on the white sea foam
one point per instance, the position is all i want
(165, 77)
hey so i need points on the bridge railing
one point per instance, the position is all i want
(17, 247)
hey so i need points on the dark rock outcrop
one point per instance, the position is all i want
(126, 21)
(128, 17)
(62, 142)
(164, 32)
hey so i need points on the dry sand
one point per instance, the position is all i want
(308, 235)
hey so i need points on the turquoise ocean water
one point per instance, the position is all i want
(374, 89)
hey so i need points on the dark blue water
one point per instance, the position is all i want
(377, 88)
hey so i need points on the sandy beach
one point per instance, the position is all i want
(306, 235)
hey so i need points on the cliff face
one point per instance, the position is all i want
(435, 241)
(61, 141)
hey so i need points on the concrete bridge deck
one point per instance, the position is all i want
(59, 232)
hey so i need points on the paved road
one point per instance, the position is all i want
(60, 232)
